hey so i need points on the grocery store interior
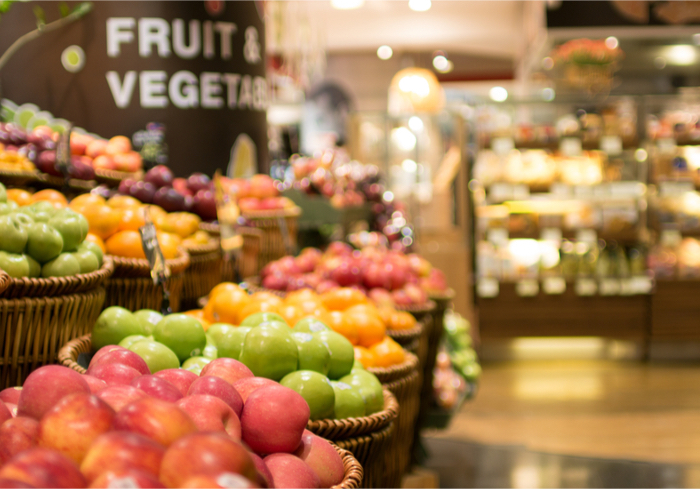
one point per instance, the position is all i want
(495, 204)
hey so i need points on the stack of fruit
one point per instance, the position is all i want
(387, 277)
(458, 344)
(165, 429)
(259, 193)
(43, 238)
(13, 161)
(309, 358)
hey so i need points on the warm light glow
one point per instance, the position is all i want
(419, 5)
(612, 42)
(440, 63)
(415, 90)
(415, 123)
(548, 94)
(660, 62)
(640, 155)
(525, 252)
(415, 84)
(498, 94)
(547, 63)
(681, 54)
(388, 196)
(404, 139)
(409, 166)
(696, 39)
(385, 52)
(347, 4)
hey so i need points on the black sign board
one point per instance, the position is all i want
(577, 13)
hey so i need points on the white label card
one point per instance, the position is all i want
(499, 192)
(675, 189)
(610, 286)
(498, 236)
(487, 287)
(586, 287)
(570, 146)
(502, 146)
(527, 288)
(586, 235)
(521, 192)
(554, 285)
(551, 234)
(611, 145)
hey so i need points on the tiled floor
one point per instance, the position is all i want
(575, 424)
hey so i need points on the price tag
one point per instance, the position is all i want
(610, 286)
(498, 236)
(502, 146)
(554, 285)
(487, 287)
(63, 154)
(586, 287)
(527, 288)
(500, 192)
(675, 189)
(666, 145)
(570, 146)
(160, 271)
(521, 192)
(640, 285)
(611, 145)
(586, 235)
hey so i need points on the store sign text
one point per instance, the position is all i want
(184, 89)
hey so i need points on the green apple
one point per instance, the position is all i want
(3, 193)
(273, 323)
(41, 211)
(270, 352)
(313, 353)
(64, 265)
(357, 365)
(181, 333)
(316, 390)
(149, 318)
(369, 387)
(230, 343)
(131, 339)
(94, 248)
(113, 325)
(349, 403)
(217, 330)
(210, 351)
(22, 219)
(261, 317)
(15, 264)
(44, 243)
(8, 207)
(34, 267)
(196, 364)
(14, 234)
(72, 226)
(156, 355)
(342, 353)
(310, 324)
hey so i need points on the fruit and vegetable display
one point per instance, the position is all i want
(123, 425)
(44, 238)
(386, 276)
(309, 358)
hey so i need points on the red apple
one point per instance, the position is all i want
(180, 185)
(119, 450)
(180, 378)
(12, 408)
(106, 349)
(264, 475)
(126, 478)
(144, 192)
(210, 413)
(159, 420)
(72, 425)
(273, 419)
(159, 176)
(346, 274)
(276, 281)
(322, 458)
(124, 357)
(17, 435)
(290, 471)
(198, 181)
(205, 454)
(79, 143)
(157, 388)
(8, 483)
(326, 286)
(220, 479)
(249, 204)
(96, 385)
(204, 205)
(5, 413)
(338, 248)
(375, 276)
(115, 373)
(246, 386)
(169, 199)
(46, 386)
(11, 394)
(218, 387)
(262, 186)
(104, 162)
(416, 294)
(118, 396)
(42, 467)
(226, 368)
(95, 148)
(381, 297)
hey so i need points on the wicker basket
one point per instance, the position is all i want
(203, 273)
(352, 477)
(273, 244)
(409, 339)
(132, 287)
(18, 178)
(365, 437)
(112, 178)
(34, 326)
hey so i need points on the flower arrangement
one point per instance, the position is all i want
(587, 52)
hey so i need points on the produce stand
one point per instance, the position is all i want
(203, 273)
(279, 232)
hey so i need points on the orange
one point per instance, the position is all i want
(123, 202)
(265, 296)
(302, 295)
(85, 200)
(292, 314)
(104, 221)
(368, 308)
(224, 286)
(310, 306)
(342, 298)
(340, 324)
(365, 356)
(226, 306)
(370, 329)
(386, 313)
(168, 245)
(57, 199)
(132, 218)
(19, 196)
(126, 244)
(258, 306)
(183, 224)
(387, 353)
(97, 240)
(155, 211)
(401, 320)
(199, 314)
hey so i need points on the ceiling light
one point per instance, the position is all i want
(660, 62)
(498, 94)
(681, 54)
(440, 63)
(415, 123)
(409, 166)
(612, 42)
(419, 5)
(404, 139)
(385, 52)
(347, 4)
(547, 63)
(548, 94)
(640, 155)
(415, 90)
(415, 84)
(696, 38)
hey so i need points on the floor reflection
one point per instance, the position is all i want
(466, 464)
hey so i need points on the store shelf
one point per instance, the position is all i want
(675, 310)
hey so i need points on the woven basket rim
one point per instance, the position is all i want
(68, 353)
(19, 173)
(36, 287)
(396, 371)
(406, 334)
(139, 267)
(352, 476)
(446, 295)
(267, 214)
(352, 427)
(427, 306)
(202, 249)
(4, 280)
(118, 175)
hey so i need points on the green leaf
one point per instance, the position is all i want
(40, 17)
(5, 5)
(64, 9)
(82, 8)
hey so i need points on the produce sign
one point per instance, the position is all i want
(195, 70)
